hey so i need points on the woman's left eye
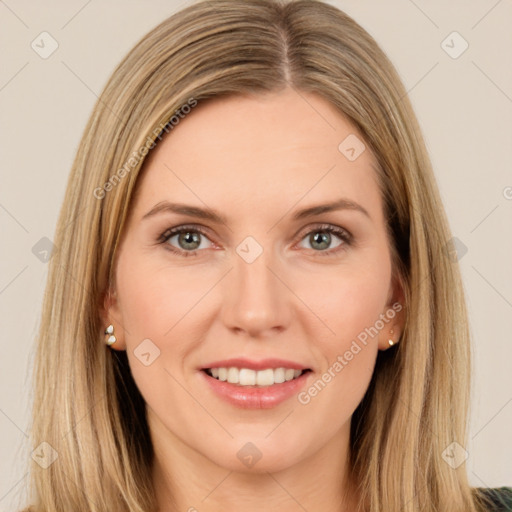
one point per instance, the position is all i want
(189, 239)
(322, 236)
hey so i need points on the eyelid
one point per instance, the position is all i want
(174, 230)
(323, 226)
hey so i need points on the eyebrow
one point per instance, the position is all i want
(214, 216)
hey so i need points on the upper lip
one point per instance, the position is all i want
(262, 364)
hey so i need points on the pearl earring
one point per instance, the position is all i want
(390, 341)
(109, 332)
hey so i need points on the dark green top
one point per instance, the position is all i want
(500, 497)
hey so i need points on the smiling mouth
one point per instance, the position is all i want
(254, 378)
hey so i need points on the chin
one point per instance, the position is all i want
(260, 454)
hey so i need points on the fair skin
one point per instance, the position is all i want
(256, 160)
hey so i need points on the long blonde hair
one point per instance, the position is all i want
(86, 404)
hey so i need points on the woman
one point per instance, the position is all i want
(312, 352)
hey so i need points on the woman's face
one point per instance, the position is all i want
(279, 282)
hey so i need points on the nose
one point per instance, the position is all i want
(256, 301)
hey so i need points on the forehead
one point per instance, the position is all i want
(253, 151)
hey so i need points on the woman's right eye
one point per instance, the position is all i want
(188, 239)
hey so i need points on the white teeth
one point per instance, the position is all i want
(265, 377)
(247, 377)
(233, 375)
(279, 375)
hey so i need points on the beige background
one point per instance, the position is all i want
(464, 106)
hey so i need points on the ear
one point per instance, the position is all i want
(394, 316)
(110, 314)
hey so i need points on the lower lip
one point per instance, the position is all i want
(247, 397)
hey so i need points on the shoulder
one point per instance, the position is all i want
(498, 499)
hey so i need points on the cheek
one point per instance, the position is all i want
(358, 303)
(351, 307)
(350, 299)
(351, 304)
(154, 303)
(154, 299)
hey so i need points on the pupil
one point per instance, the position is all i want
(189, 238)
(324, 239)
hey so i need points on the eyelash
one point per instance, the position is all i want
(343, 234)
